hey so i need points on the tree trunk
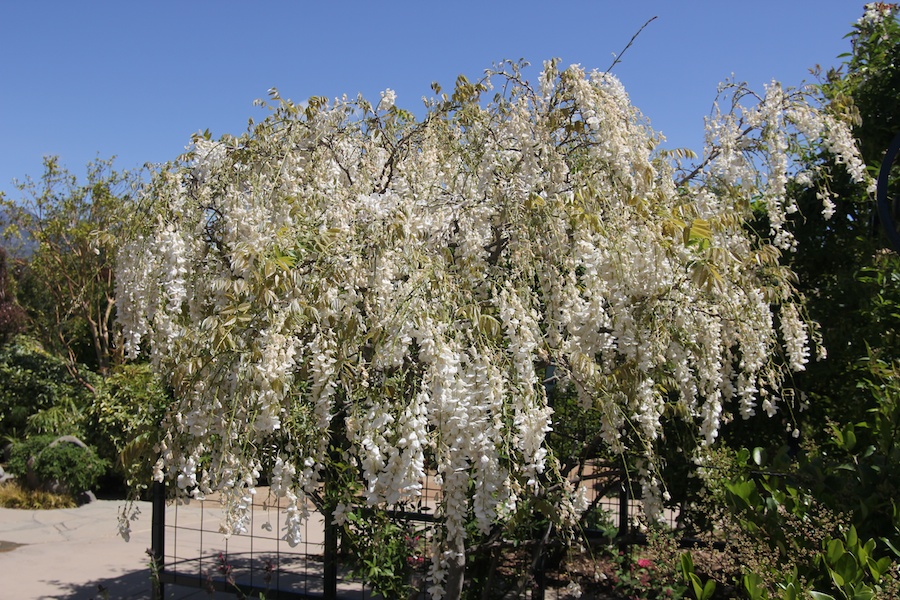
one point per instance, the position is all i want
(456, 568)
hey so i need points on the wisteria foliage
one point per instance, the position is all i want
(345, 270)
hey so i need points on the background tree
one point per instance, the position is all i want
(67, 232)
(39, 395)
(852, 279)
(64, 376)
(12, 316)
(844, 462)
(841, 256)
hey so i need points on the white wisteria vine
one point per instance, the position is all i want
(346, 282)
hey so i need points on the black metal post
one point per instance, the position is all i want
(158, 538)
(330, 573)
(884, 203)
(624, 507)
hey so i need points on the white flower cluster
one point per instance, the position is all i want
(750, 148)
(876, 12)
(399, 289)
(388, 98)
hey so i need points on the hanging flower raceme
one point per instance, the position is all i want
(347, 277)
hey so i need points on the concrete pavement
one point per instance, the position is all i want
(69, 553)
(77, 554)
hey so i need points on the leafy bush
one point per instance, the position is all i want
(384, 552)
(39, 394)
(118, 416)
(124, 422)
(76, 469)
(12, 316)
(783, 539)
(647, 577)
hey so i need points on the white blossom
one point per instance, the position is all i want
(407, 285)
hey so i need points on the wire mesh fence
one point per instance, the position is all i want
(195, 553)
(190, 549)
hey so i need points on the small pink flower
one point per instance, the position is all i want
(645, 563)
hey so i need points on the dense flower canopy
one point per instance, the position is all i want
(346, 276)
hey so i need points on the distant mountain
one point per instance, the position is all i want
(15, 247)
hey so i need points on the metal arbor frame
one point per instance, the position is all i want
(188, 549)
(886, 205)
(196, 554)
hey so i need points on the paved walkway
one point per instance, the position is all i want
(77, 554)
(68, 553)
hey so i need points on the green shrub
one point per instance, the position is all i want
(38, 393)
(74, 468)
(118, 416)
(383, 551)
(124, 422)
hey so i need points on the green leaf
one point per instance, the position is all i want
(790, 591)
(687, 565)
(697, 585)
(864, 551)
(891, 546)
(849, 438)
(745, 491)
(833, 551)
(848, 568)
(864, 593)
(489, 326)
(836, 577)
(852, 538)
(879, 568)
(709, 589)
(753, 584)
(699, 229)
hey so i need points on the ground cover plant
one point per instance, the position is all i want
(15, 495)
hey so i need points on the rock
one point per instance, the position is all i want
(68, 439)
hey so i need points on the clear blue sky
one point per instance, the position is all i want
(136, 79)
